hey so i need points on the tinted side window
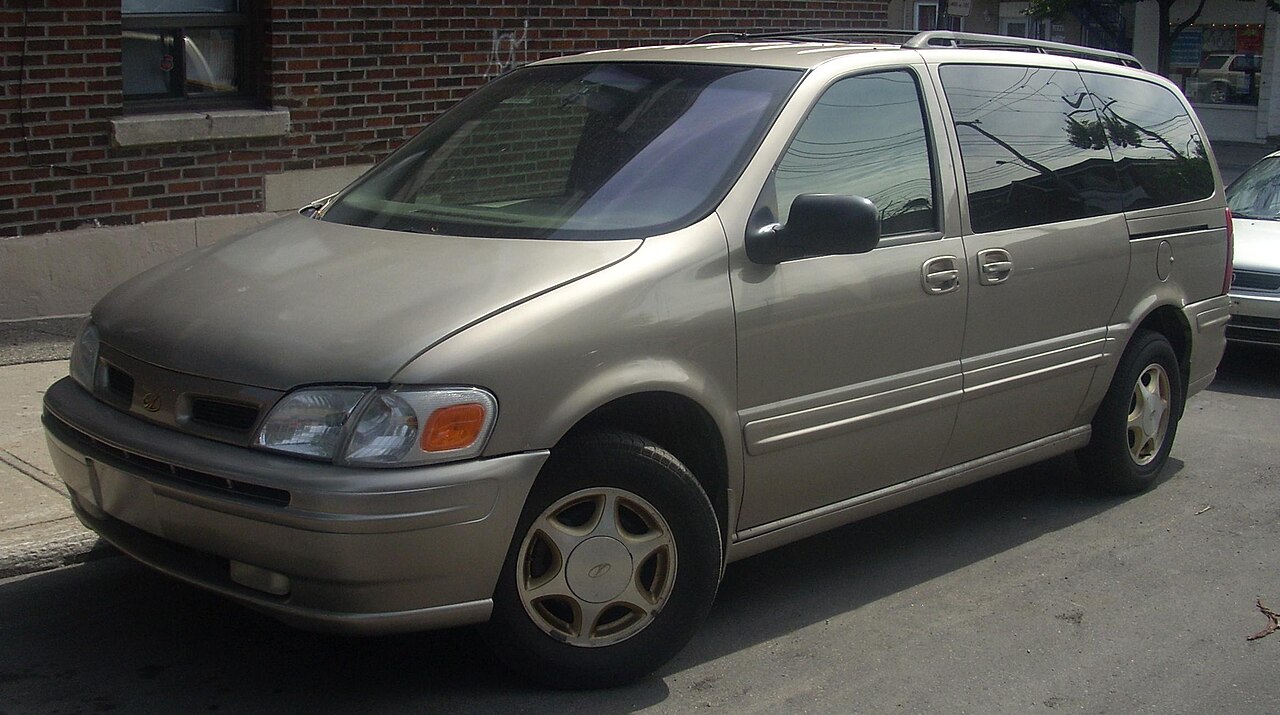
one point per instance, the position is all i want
(1160, 154)
(865, 137)
(1030, 145)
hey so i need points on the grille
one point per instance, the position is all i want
(227, 415)
(1251, 329)
(1255, 280)
(1252, 321)
(162, 471)
(119, 384)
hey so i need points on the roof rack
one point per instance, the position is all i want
(800, 35)
(930, 38)
(947, 38)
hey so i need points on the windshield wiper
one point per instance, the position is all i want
(462, 213)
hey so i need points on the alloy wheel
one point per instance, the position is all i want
(1149, 412)
(596, 567)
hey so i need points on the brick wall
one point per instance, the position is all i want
(358, 80)
(57, 116)
(523, 153)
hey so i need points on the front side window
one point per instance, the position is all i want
(1033, 146)
(1159, 151)
(575, 151)
(865, 137)
(186, 49)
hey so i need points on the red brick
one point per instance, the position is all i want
(358, 78)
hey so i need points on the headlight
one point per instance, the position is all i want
(385, 432)
(84, 355)
(310, 422)
(383, 428)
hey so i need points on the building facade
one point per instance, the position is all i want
(1225, 62)
(135, 130)
(998, 18)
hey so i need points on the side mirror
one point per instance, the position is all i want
(818, 225)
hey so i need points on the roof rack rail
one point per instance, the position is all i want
(801, 35)
(947, 38)
(930, 38)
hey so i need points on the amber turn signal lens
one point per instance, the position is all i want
(453, 427)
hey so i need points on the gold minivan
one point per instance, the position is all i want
(619, 319)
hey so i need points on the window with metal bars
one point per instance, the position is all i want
(190, 53)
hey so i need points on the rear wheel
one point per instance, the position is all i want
(615, 562)
(1134, 428)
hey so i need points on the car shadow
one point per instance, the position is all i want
(841, 570)
(1249, 370)
(114, 635)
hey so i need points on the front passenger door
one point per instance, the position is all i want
(849, 365)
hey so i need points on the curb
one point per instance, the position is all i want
(60, 543)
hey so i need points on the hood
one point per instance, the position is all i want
(1257, 245)
(304, 301)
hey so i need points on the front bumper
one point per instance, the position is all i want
(1255, 318)
(320, 546)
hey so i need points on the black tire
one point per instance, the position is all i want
(1130, 442)
(655, 498)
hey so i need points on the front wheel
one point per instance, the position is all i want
(615, 562)
(1134, 428)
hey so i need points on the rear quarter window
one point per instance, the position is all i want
(1158, 150)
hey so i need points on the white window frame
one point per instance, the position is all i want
(956, 23)
(1030, 22)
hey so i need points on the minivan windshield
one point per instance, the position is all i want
(1256, 194)
(575, 151)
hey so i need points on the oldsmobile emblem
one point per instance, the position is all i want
(599, 570)
(151, 402)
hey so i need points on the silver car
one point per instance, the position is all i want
(1254, 199)
(1227, 77)
(620, 319)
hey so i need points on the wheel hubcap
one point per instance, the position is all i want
(596, 567)
(1148, 419)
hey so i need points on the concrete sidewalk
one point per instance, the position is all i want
(37, 529)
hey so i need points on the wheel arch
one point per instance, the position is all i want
(1169, 321)
(679, 425)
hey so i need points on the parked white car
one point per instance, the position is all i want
(1254, 199)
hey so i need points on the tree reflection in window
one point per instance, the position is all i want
(1158, 150)
(1033, 147)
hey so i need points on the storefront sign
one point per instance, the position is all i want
(1249, 40)
(1186, 48)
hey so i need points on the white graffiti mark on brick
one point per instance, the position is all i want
(509, 51)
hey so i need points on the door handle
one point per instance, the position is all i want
(994, 266)
(940, 275)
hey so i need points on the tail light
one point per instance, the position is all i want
(1231, 254)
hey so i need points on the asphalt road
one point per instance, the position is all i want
(1025, 593)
